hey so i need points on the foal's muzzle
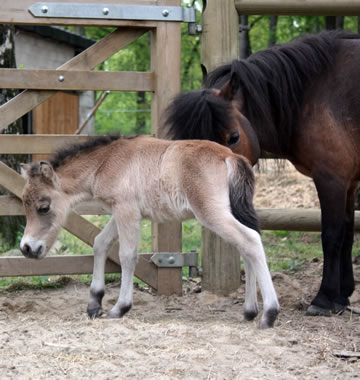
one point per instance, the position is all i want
(32, 249)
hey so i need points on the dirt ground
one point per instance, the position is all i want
(45, 334)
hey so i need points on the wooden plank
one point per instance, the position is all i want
(87, 60)
(58, 115)
(219, 44)
(270, 219)
(76, 80)
(71, 265)
(51, 265)
(36, 144)
(165, 62)
(220, 35)
(220, 263)
(295, 7)
(16, 12)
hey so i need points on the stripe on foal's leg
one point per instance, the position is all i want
(102, 245)
(129, 230)
(251, 308)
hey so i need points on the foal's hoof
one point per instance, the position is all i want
(95, 313)
(317, 311)
(114, 313)
(268, 318)
(250, 315)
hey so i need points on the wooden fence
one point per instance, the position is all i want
(163, 81)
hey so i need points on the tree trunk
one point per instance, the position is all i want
(334, 22)
(244, 41)
(10, 226)
(272, 31)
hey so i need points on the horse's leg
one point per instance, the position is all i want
(102, 245)
(332, 195)
(249, 244)
(347, 283)
(128, 229)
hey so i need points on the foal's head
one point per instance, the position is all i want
(45, 209)
(212, 114)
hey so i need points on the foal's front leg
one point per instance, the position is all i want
(128, 229)
(102, 245)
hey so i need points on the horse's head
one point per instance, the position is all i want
(215, 115)
(45, 209)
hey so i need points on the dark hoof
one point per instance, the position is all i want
(317, 311)
(269, 318)
(250, 315)
(339, 309)
(118, 314)
(95, 313)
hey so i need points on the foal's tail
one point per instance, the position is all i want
(241, 189)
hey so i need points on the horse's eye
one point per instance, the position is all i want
(44, 209)
(233, 138)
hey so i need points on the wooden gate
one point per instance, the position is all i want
(163, 81)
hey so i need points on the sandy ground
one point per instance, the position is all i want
(47, 335)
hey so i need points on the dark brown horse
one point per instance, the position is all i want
(302, 100)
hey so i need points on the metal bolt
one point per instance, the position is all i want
(171, 260)
(61, 78)
(44, 9)
(106, 11)
(165, 13)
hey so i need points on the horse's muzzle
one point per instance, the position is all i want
(32, 251)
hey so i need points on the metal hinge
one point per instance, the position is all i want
(116, 12)
(175, 260)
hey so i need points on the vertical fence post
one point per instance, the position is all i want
(219, 45)
(165, 62)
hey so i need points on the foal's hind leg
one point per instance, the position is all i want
(128, 229)
(249, 244)
(102, 245)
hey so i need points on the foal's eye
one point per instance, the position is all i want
(233, 138)
(44, 209)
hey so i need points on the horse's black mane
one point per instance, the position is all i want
(273, 81)
(191, 114)
(59, 157)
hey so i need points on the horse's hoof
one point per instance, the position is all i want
(339, 308)
(250, 315)
(95, 313)
(317, 311)
(268, 319)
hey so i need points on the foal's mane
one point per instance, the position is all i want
(58, 158)
(273, 81)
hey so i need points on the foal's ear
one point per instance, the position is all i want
(46, 170)
(24, 170)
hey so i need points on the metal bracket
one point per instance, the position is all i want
(175, 260)
(116, 12)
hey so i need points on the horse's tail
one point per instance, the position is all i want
(241, 191)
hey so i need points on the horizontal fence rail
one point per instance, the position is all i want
(296, 7)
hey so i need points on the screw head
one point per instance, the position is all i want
(44, 9)
(171, 260)
(106, 11)
(165, 13)
(61, 78)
